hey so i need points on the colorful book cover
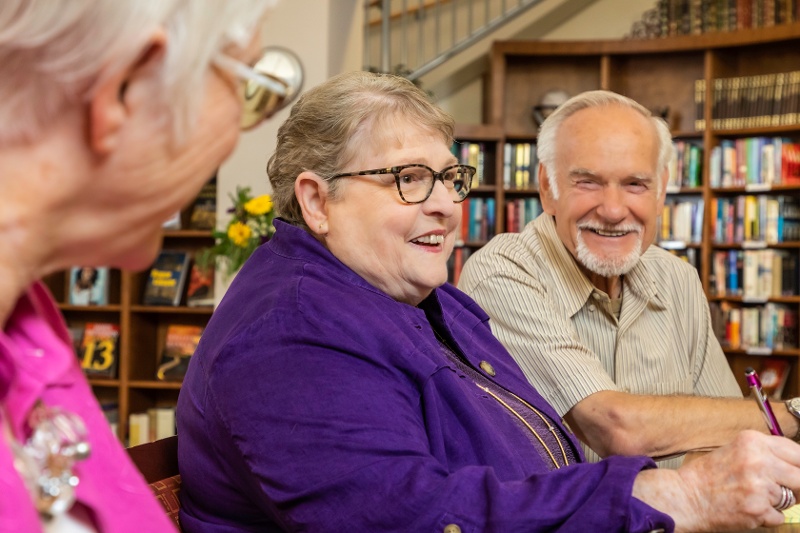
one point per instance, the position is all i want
(180, 344)
(167, 279)
(88, 285)
(200, 292)
(99, 349)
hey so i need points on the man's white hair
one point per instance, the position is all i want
(55, 52)
(546, 142)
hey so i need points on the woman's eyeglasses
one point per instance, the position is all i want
(415, 182)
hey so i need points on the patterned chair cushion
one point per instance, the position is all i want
(166, 490)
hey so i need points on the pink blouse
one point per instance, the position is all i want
(37, 363)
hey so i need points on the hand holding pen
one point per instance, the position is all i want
(763, 404)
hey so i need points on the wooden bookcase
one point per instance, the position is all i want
(142, 331)
(656, 73)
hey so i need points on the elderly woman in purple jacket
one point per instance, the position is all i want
(342, 385)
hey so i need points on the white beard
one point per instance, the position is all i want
(609, 267)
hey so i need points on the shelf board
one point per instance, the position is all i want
(687, 134)
(102, 382)
(739, 299)
(756, 189)
(787, 352)
(483, 189)
(478, 132)
(188, 233)
(114, 308)
(152, 384)
(166, 309)
(759, 246)
(755, 132)
(521, 192)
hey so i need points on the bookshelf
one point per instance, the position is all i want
(142, 331)
(661, 74)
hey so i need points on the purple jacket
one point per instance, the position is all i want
(315, 402)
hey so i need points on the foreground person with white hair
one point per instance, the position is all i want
(113, 113)
(614, 331)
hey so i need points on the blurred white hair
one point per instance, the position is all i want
(546, 142)
(55, 52)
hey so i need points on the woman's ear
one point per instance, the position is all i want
(311, 192)
(108, 108)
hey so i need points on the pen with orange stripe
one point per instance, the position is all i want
(763, 404)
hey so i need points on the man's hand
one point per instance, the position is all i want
(734, 487)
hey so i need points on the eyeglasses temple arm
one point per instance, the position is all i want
(248, 73)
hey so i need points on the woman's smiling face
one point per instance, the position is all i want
(399, 248)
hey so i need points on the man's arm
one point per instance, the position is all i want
(527, 321)
(618, 423)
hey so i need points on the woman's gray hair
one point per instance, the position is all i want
(330, 122)
(546, 141)
(55, 52)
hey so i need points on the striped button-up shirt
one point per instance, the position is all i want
(564, 334)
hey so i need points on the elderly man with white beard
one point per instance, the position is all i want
(614, 332)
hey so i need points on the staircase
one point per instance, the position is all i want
(413, 37)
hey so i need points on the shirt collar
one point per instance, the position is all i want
(36, 344)
(577, 288)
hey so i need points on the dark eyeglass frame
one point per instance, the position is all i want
(395, 171)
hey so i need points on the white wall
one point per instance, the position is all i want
(325, 34)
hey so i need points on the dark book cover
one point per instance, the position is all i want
(180, 344)
(204, 209)
(200, 292)
(88, 285)
(99, 349)
(167, 278)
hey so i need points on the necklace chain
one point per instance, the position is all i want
(538, 413)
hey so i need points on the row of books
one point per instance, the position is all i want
(690, 255)
(754, 274)
(682, 220)
(96, 345)
(750, 101)
(755, 220)
(155, 424)
(478, 219)
(202, 213)
(763, 161)
(520, 166)
(758, 329)
(174, 270)
(171, 273)
(686, 165)
(520, 211)
(456, 263)
(474, 155)
(695, 17)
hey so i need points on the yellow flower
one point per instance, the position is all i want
(259, 206)
(239, 233)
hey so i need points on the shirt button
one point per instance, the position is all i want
(592, 308)
(451, 528)
(489, 369)
(596, 296)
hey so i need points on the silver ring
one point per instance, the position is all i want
(787, 499)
